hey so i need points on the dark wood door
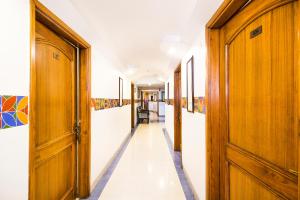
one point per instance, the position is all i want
(54, 173)
(259, 81)
(177, 110)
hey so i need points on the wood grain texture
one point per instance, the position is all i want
(226, 10)
(297, 82)
(84, 147)
(257, 102)
(254, 190)
(212, 116)
(42, 14)
(259, 92)
(177, 110)
(283, 183)
(55, 142)
(261, 85)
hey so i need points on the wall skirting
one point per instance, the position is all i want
(196, 197)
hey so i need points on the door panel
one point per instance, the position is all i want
(55, 142)
(252, 190)
(261, 145)
(177, 110)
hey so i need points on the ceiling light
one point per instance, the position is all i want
(172, 51)
(130, 71)
(161, 79)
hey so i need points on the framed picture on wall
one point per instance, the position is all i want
(168, 92)
(155, 97)
(120, 91)
(190, 85)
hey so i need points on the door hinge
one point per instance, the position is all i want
(77, 131)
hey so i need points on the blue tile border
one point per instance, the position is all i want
(189, 195)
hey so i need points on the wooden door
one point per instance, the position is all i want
(177, 109)
(259, 107)
(54, 173)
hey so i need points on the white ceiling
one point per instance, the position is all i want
(147, 36)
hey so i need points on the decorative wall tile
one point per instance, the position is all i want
(101, 103)
(170, 101)
(13, 111)
(126, 102)
(199, 103)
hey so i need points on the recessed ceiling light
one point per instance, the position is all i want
(130, 71)
(172, 51)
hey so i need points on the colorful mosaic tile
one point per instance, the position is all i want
(13, 111)
(126, 102)
(170, 101)
(101, 104)
(200, 104)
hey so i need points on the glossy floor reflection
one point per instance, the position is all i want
(146, 170)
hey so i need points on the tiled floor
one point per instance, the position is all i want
(146, 170)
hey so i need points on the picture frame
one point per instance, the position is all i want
(120, 92)
(168, 92)
(190, 85)
(154, 97)
(163, 96)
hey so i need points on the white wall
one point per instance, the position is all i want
(14, 80)
(153, 106)
(193, 124)
(162, 109)
(169, 109)
(109, 127)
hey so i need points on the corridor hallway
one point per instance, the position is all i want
(150, 100)
(146, 169)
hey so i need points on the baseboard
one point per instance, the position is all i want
(107, 166)
(196, 197)
(172, 143)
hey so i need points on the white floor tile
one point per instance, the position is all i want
(146, 170)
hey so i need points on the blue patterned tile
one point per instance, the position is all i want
(9, 119)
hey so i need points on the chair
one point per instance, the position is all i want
(142, 115)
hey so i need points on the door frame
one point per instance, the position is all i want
(215, 151)
(132, 107)
(39, 12)
(177, 110)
